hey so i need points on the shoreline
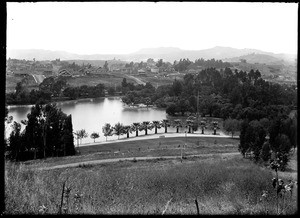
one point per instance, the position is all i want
(62, 101)
(85, 99)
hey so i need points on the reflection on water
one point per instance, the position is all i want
(92, 114)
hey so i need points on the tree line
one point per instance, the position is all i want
(50, 89)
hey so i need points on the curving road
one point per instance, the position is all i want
(38, 78)
(94, 162)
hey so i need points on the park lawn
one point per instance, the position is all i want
(156, 81)
(221, 186)
(92, 80)
(141, 148)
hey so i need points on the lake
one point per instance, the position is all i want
(92, 114)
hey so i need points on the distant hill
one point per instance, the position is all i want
(97, 63)
(166, 53)
(257, 58)
(41, 54)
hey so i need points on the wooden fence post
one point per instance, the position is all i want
(197, 206)
(62, 197)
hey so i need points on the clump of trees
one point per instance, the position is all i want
(261, 138)
(137, 94)
(23, 96)
(84, 91)
(231, 126)
(48, 132)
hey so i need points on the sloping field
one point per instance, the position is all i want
(221, 182)
(221, 185)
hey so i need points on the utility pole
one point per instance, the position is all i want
(198, 108)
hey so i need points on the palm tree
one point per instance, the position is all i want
(156, 124)
(190, 122)
(203, 126)
(165, 123)
(215, 126)
(177, 124)
(145, 126)
(107, 130)
(135, 127)
(118, 128)
(127, 129)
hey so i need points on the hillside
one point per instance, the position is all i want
(257, 58)
(97, 63)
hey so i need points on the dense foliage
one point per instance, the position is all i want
(219, 93)
(48, 132)
(256, 108)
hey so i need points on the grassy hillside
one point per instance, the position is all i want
(273, 72)
(221, 184)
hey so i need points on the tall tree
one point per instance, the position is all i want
(105, 66)
(68, 138)
(15, 141)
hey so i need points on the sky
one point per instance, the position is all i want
(126, 27)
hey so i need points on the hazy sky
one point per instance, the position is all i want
(125, 27)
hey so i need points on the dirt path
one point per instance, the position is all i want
(137, 80)
(94, 162)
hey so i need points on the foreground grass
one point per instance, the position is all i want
(221, 186)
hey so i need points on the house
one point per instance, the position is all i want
(100, 70)
(154, 70)
(192, 71)
(141, 72)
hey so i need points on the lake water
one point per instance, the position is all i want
(92, 114)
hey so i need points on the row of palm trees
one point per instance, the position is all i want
(120, 129)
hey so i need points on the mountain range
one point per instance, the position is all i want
(166, 53)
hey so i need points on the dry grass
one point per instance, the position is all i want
(109, 79)
(221, 186)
